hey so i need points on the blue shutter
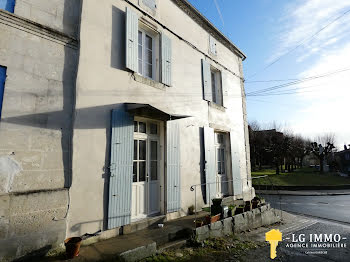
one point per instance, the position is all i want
(236, 171)
(120, 183)
(2, 85)
(166, 60)
(8, 5)
(206, 76)
(132, 28)
(173, 167)
(210, 163)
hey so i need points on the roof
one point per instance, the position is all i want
(204, 22)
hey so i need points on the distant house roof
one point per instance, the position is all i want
(205, 23)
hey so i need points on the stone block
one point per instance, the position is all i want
(239, 223)
(29, 160)
(227, 226)
(202, 233)
(4, 227)
(29, 203)
(38, 180)
(139, 253)
(37, 222)
(269, 217)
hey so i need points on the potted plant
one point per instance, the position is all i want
(231, 210)
(255, 202)
(239, 209)
(247, 206)
(191, 210)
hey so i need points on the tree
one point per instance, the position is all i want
(321, 152)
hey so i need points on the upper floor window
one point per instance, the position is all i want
(146, 54)
(212, 84)
(144, 50)
(216, 86)
(8, 5)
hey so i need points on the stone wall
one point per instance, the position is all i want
(256, 218)
(62, 15)
(35, 135)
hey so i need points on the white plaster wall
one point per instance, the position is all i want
(103, 82)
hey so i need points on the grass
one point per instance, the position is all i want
(219, 249)
(300, 177)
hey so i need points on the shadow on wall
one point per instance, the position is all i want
(202, 163)
(118, 45)
(71, 26)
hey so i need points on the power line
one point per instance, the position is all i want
(300, 44)
(261, 91)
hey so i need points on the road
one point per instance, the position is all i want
(336, 208)
(303, 227)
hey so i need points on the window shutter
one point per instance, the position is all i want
(120, 183)
(173, 167)
(132, 25)
(166, 60)
(2, 85)
(8, 5)
(236, 171)
(150, 3)
(210, 164)
(212, 45)
(206, 75)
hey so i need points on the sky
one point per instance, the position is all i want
(292, 40)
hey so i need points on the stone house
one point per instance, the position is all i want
(111, 111)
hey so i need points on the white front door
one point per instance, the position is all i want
(221, 175)
(146, 185)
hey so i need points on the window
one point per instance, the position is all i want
(2, 85)
(139, 163)
(8, 5)
(216, 88)
(147, 49)
(146, 54)
(139, 127)
(347, 156)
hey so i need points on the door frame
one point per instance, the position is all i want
(161, 153)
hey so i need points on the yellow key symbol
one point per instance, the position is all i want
(273, 237)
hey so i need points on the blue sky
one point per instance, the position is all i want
(266, 30)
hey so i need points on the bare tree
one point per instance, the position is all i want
(323, 147)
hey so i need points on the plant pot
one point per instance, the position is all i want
(255, 203)
(248, 206)
(239, 210)
(72, 246)
(199, 223)
(217, 201)
(215, 218)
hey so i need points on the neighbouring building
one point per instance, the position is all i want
(112, 110)
(38, 64)
(342, 159)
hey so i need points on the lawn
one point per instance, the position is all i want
(300, 177)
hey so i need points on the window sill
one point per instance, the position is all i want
(148, 81)
(216, 106)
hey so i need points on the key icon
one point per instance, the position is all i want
(273, 237)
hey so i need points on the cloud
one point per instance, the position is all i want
(325, 102)
(302, 19)
(326, 106)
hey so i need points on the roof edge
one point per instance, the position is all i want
(193, 12)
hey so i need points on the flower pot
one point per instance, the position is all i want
(255, 203)
(217, 201)
(72, 246)
(215, 218)
(239, 210)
